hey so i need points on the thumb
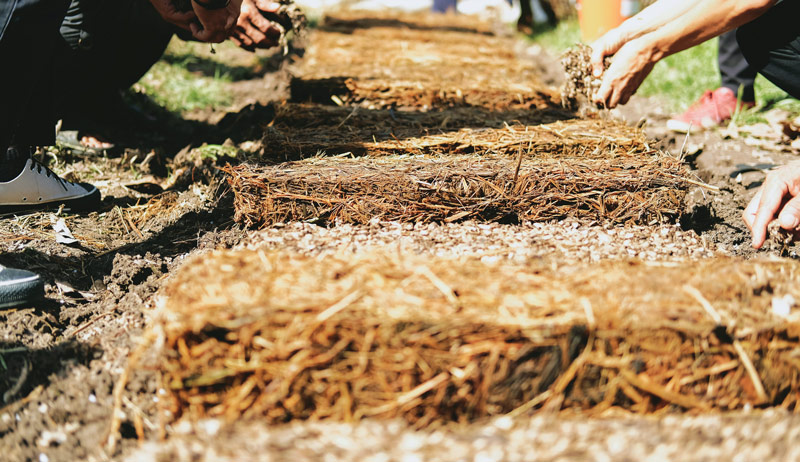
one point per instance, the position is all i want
(597, 58)
(789, 217)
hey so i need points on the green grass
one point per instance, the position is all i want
(185, 80)
(681, 78)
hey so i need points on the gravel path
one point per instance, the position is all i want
(743, 437)
(570, 241)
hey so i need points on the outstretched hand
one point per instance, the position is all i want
(779, 197)
(215, 25)
(632, 62)
(253, 30)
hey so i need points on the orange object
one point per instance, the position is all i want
(596, 17)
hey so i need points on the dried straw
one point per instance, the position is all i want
(586, 139)
(458, 187)
(286, 337)
(418, 61)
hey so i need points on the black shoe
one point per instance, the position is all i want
(19, 287)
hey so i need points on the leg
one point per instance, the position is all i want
(736, 73)
(771, 44)
(28, 42)
(106, 54)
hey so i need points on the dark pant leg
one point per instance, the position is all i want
(734, 69)
(110, 46)
(771, 44)
(25, 53)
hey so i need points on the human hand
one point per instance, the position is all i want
(253, 30)
(171, 14)
(779, 195)
(605, 47)
(215, 25)
(633, 61)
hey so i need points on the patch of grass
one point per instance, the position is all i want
(179, 90)
(683, 77)
(215, 151)
(557, 39)
(179, 85)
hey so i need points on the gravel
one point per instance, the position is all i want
(571, 241)
(744, 437)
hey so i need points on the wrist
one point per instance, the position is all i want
(212, 4)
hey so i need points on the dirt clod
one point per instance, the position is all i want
(580, 82)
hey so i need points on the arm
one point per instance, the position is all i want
(671, 26)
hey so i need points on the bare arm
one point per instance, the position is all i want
(671, 26)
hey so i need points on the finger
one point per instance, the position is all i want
(749, 214)
(260, 22)
(243, 37)
(255, 35)
(597, 58)
(231, 22)
(267, 5)
(789, 216)
(197, 31)
(771, 198)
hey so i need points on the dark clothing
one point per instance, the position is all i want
(771, 45)
(28, 37)
(736, 73)
(110, 45)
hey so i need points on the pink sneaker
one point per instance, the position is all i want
(712, 109)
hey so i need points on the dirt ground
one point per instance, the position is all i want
(61, 361)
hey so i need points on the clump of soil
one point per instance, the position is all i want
(778, 239)
(580, 82)
(288, 18)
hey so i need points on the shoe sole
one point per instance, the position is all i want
(87, 203)
(21, 293)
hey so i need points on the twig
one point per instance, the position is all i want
(339, 306)
(539, 399)
(23, 377)
(743, 357)
(439, 284)
(712, 312)
(406, 398)
(688, 402)
(751, 371)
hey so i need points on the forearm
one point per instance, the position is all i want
(706, 19)
(654, 17)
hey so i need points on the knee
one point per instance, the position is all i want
(751, 46)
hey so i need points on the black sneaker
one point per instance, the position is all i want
(19, 287)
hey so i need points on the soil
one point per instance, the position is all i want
(61, 360)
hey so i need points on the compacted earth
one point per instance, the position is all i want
(68, 391)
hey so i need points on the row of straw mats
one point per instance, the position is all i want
(420, 61)
(458, 187)
(584, 139)
(283, 337)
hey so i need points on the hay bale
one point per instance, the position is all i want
(411, 134)
(284, 337)
(458, 187)
(418, 61)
